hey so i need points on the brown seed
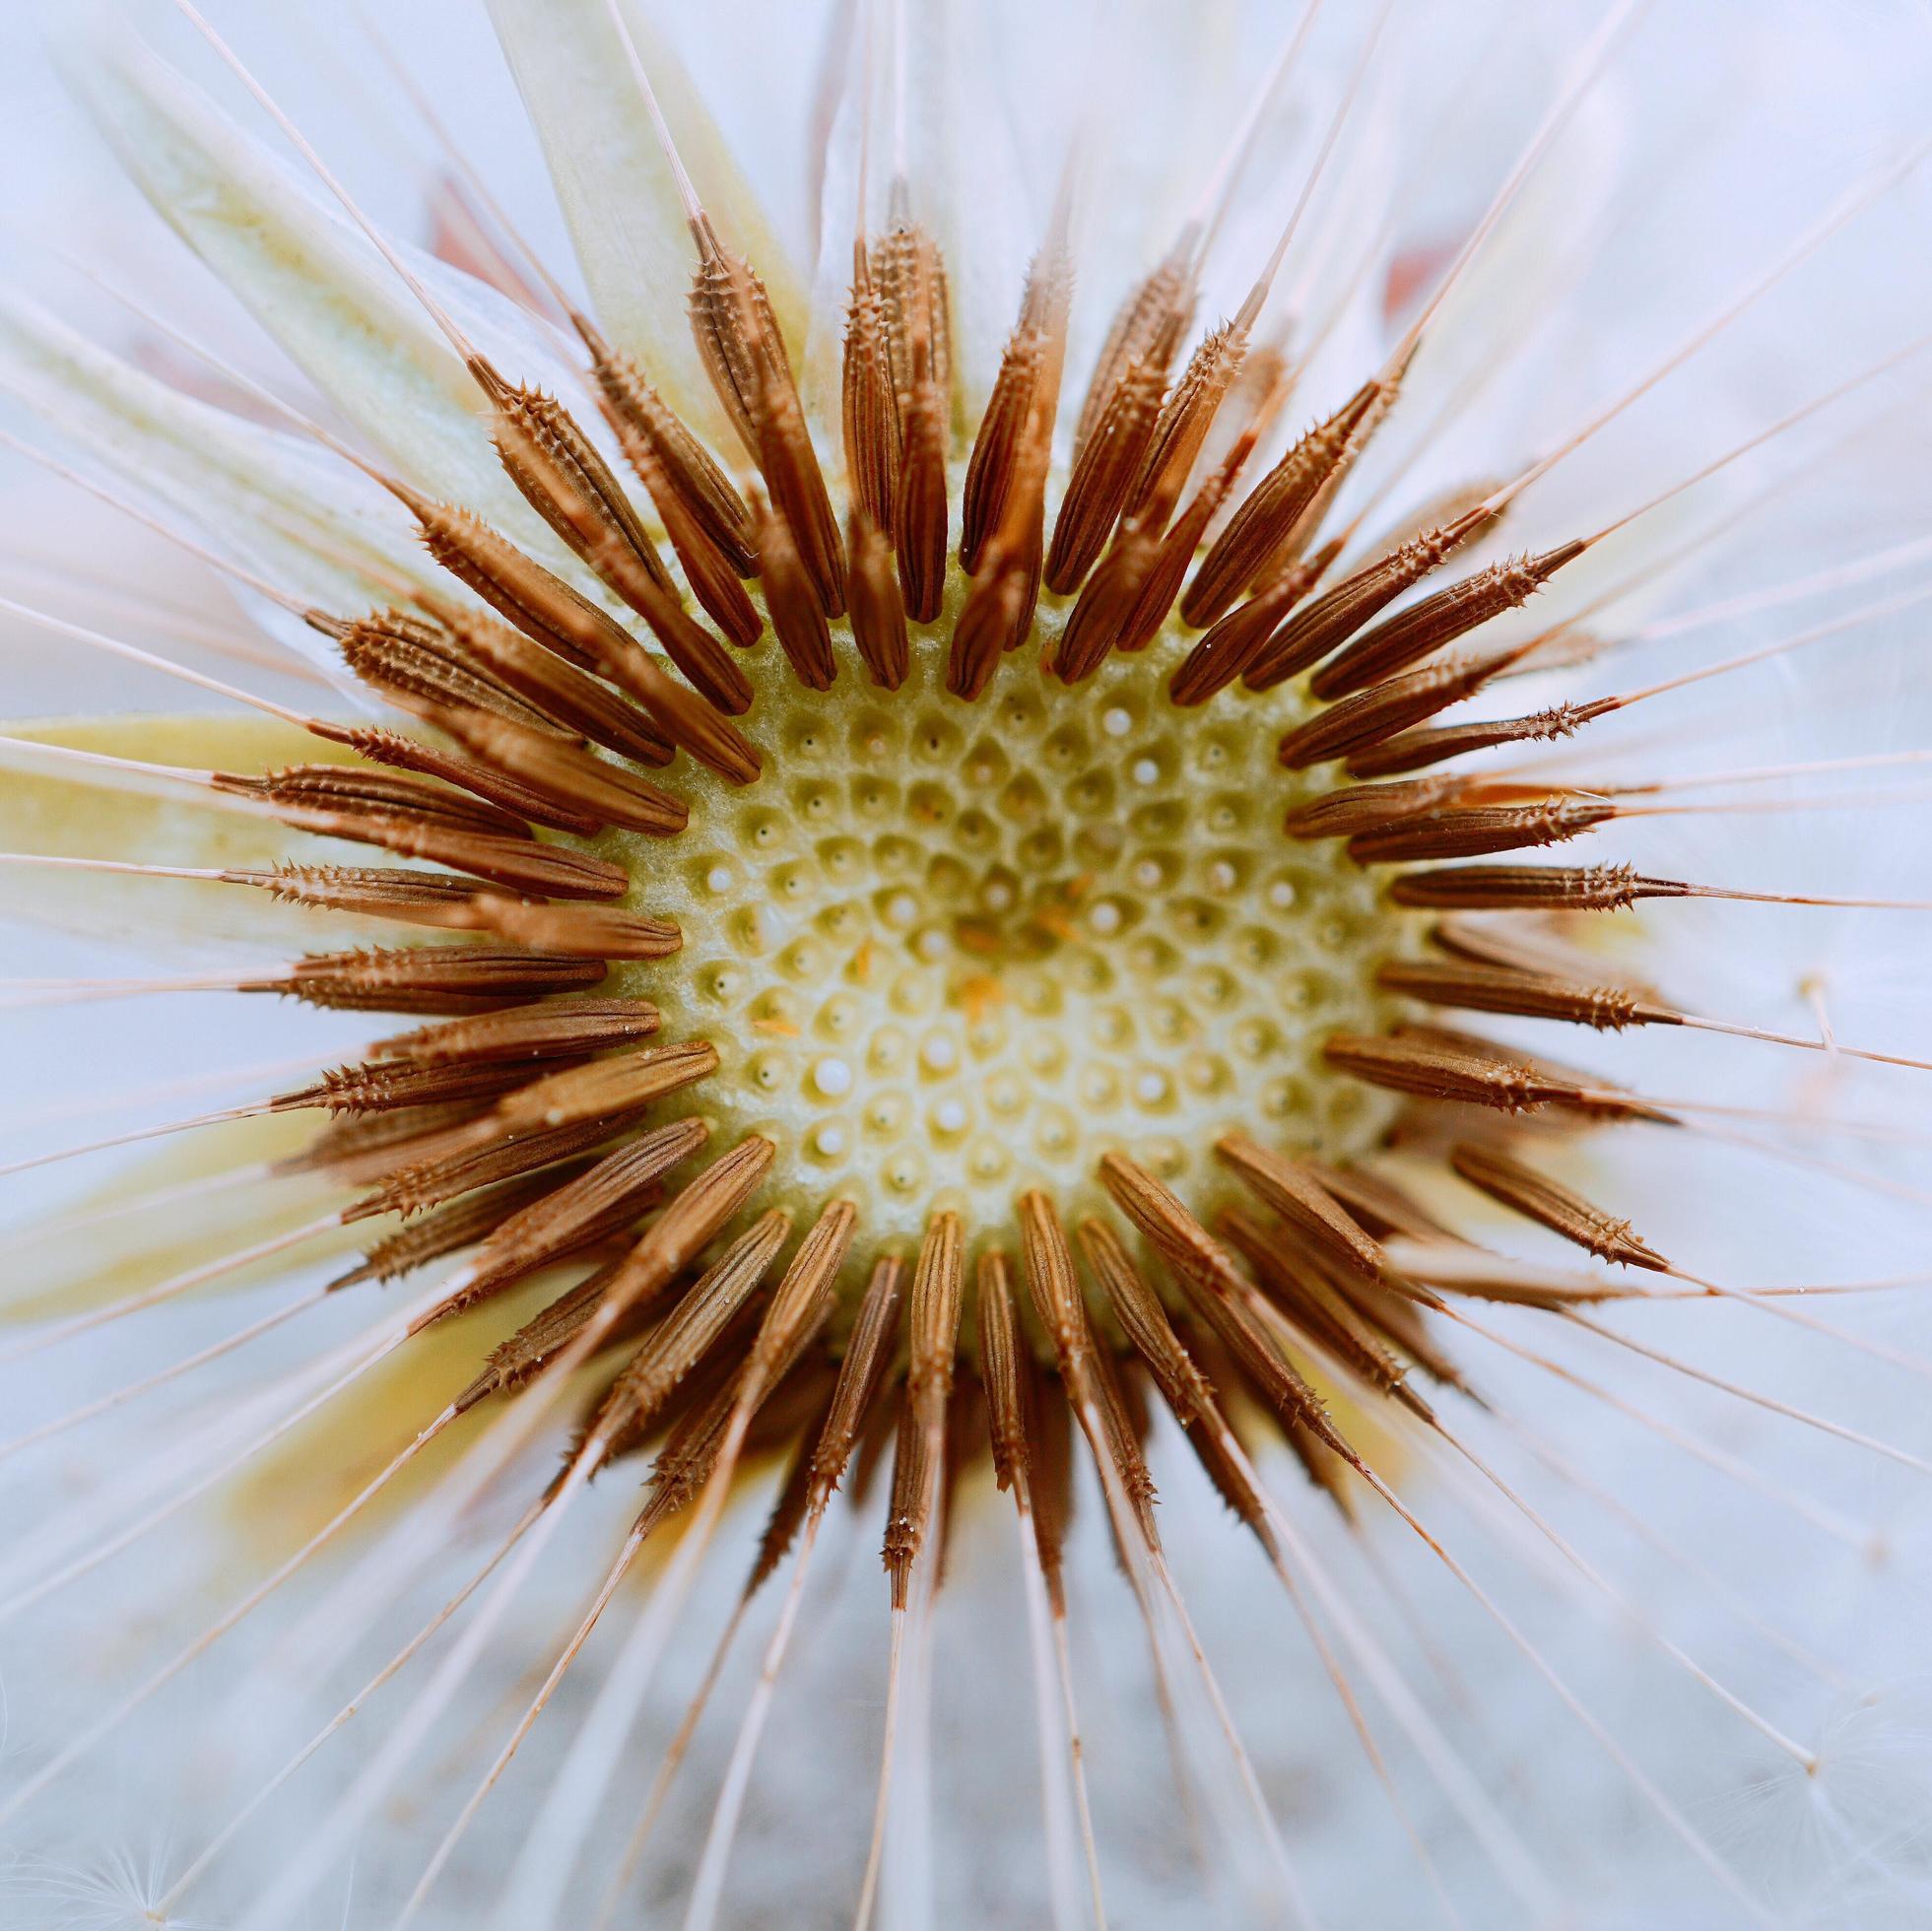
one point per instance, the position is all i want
(1010, 460)
(1368, 718)
(744, 357)
(1229, 1301)
(1428, 1071)
(868, 1356)
(437, 978)
(587, 1209)
(1002, 1370)
(1234, 641)
(933, 1313)
(684, 1462)
(581, 931)
(1294, 1190)
(998, 612)
(1053, 1287)
(736, 333)
(612, 793)
(1185, 418)
(801, 1301)
(790, 467)
(1357, 808)
(1144, 1321)
(1295, 546)
(545, 608)
(1477, 830)
(1117, 425)
(563, 476)
(878, 613)
(910, 272)
(797, 616)
(518, 1359)
(688, 1224)
(521, 864)
(481, 1153)
(932, 1327)
(543, 1029)
(1101, 615)
(868, 404)
(1271, 511)
(703, 660)
(1336, 615)
(699, 1412)
(1224, 1298)
(1391, 1310)
(1530, 887)
(1299, 1283)
(1160, 305)
(1550, 1204)
(411, 898)
(687, 1333)
(381, 1086)
(712, 572)
(912, 277)
(606, 1085)
(1526, 995)
(1160, 584)
(448, 1230)
(1453, 612)
(1414, 751)
(688, 720)
(354, 788)
(641, 418)
(826, 1447)
(741, 1380)
(415, 663)
(458, 1161)
(991, 467)
(919, 507)
(399, 753)
(1432, 1063)
(538, 602)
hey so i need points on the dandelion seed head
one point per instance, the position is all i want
(1009, 851)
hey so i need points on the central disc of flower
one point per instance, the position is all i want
(950, 950)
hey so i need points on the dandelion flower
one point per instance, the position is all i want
(920, 821)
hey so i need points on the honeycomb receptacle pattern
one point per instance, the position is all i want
(952, 951)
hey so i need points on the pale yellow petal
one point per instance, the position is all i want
(627, 221)
(167, 924)
(318, 284)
